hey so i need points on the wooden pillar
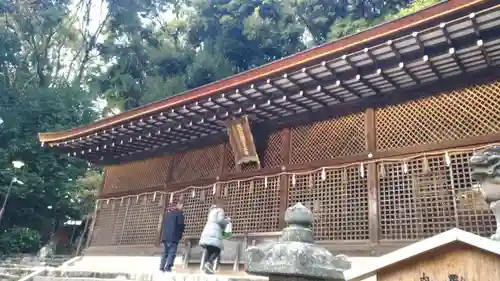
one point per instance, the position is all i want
(370, 130)
(373, 215)
(284, 179)
(170, 170)
(90, 234)
(219, 192)
(101, 187)
(372, 177)
(163, 202)
(187, 253)
(223, 159)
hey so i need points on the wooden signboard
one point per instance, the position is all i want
(241, 141)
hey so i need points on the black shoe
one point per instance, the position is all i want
(208, 268)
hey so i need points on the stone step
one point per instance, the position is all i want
(9, 277)
(147, 277)
(46, 278)
(13, 265)
(34, 260)
(17, 271)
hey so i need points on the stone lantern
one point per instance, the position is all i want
(295, 257)
(485, 168)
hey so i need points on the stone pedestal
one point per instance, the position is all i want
(485, 168)
(295, 257)
(495, 207)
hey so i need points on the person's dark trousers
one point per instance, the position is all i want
(168, 257)
(212, 257)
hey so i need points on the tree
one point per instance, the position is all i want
(40, 91)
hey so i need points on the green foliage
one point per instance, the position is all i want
(41, 68)
(414, 7)
(19, 240)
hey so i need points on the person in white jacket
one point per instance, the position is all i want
(211, 237)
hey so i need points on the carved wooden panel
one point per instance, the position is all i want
(455, 115)
(137, 175)
(253, 205)
(197, 164)
(339, 201)
(425, 197)
(329, 139)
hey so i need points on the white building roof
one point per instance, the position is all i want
(415, 249)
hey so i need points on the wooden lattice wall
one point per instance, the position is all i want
(429, 198)
(460, 114)
(196, 202)
(197, 164)
(136, 176)
(329, 139)
(131, 221)
(339, 202)
(253, 204)
(385, 202)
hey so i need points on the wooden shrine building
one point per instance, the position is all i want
(373, 132)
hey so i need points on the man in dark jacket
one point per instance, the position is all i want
(173, 228)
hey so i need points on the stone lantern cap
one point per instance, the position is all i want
(295, 254)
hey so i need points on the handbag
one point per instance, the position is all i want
(228, 230)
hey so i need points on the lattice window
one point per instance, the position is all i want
(143, 218)
(414, 204)
(109, 223)
(195, 208)
(253, 205)
(339, 202)
(459, 114)
(119, 220)
(197, 164)
(425, 200)
(329, 139)
(136, 175)
(272, 154)
(102, 234)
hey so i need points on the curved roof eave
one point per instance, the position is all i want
(300, 59)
